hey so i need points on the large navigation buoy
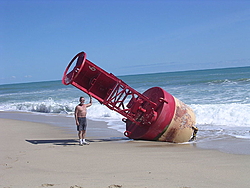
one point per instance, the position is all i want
(153, 115)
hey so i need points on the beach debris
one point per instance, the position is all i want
(115, 186)
(153, 115)
(47, 185)
(75, 186)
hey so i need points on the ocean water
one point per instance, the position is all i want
(220, 99)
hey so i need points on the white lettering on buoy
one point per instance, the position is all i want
(92, 68)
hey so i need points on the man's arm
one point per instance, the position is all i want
(90, 101)
(76, 112)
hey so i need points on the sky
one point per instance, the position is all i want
(38, 38)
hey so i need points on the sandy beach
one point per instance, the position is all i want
(41, 155)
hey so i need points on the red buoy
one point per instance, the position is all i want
(153, 115)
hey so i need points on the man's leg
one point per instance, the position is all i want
(83, 138)
(83, 134)
(80, 135)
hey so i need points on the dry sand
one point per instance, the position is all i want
(40, 155)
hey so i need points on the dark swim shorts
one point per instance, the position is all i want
(82, 124)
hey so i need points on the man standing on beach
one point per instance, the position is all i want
(80, 117)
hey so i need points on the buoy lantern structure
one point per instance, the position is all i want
(154, 115)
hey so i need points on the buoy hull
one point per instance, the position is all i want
(182, 126)
(174, 123)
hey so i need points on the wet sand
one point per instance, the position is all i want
(41, 155)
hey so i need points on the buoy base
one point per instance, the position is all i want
(175, 120)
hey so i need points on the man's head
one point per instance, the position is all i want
(82, 99)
